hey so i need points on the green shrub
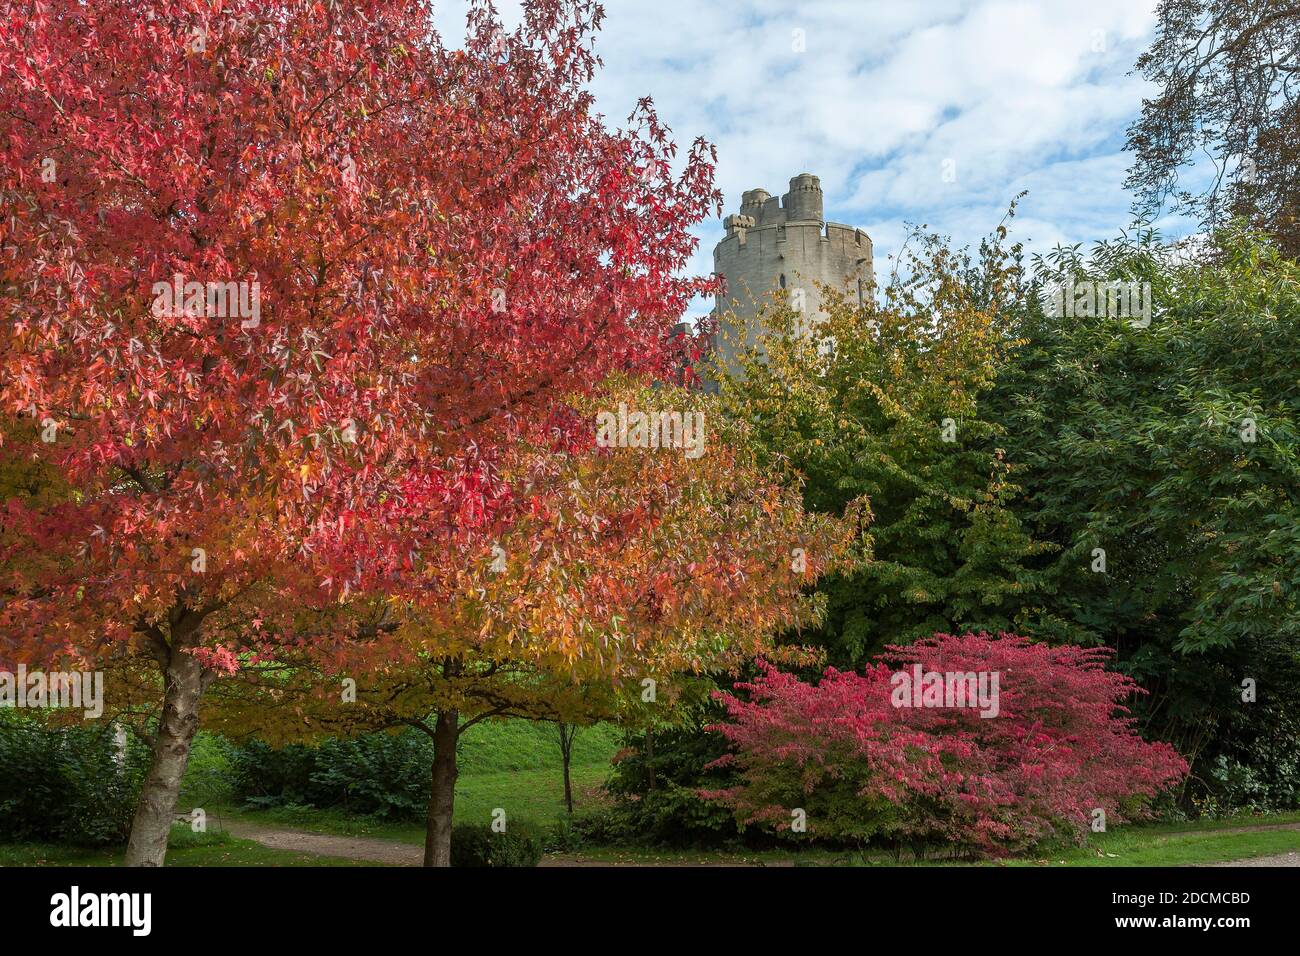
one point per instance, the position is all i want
(63, 784)
(670, 815)
(564, 836)
(656, 797)
(382, 775)
(475, 844)
(207, 775)
(1255, 766)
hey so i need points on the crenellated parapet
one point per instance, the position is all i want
(803, 203)
(738, 224)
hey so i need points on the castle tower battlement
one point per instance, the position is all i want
(786, 244)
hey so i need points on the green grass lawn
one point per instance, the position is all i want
(515, 766)
(1137, 848)
(1177, 844)
(501, 745)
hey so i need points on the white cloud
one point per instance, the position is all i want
(1020, 94)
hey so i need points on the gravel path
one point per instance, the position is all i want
(372, 849)
(1255, 829)
(1284, 859)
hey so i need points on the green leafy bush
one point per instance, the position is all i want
(656, 795)
(1253, 766)
(63, 784)
(564, 836)
(207, 776)
(475, 844)
(671, 815)
(383, 775)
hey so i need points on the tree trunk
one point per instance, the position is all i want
(119, 746)
(184, 682)
(566, 754)
(437, 829)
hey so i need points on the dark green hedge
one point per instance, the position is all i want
(63, 785)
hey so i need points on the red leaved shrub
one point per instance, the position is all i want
(1000, 744)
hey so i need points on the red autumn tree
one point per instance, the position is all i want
(881, 755)
(629, 567)
(279, 280)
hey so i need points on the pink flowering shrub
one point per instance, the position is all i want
(1032, 752)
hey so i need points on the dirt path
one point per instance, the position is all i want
(1284, 859)
(1257, 828)
(372, 849)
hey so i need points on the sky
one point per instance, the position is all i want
(934, 112)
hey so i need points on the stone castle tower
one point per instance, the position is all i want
(786, 243)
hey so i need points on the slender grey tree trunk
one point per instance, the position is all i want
(568, 785)
(442, 797)
(185, 682)
(567, 733)
(119, 746)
